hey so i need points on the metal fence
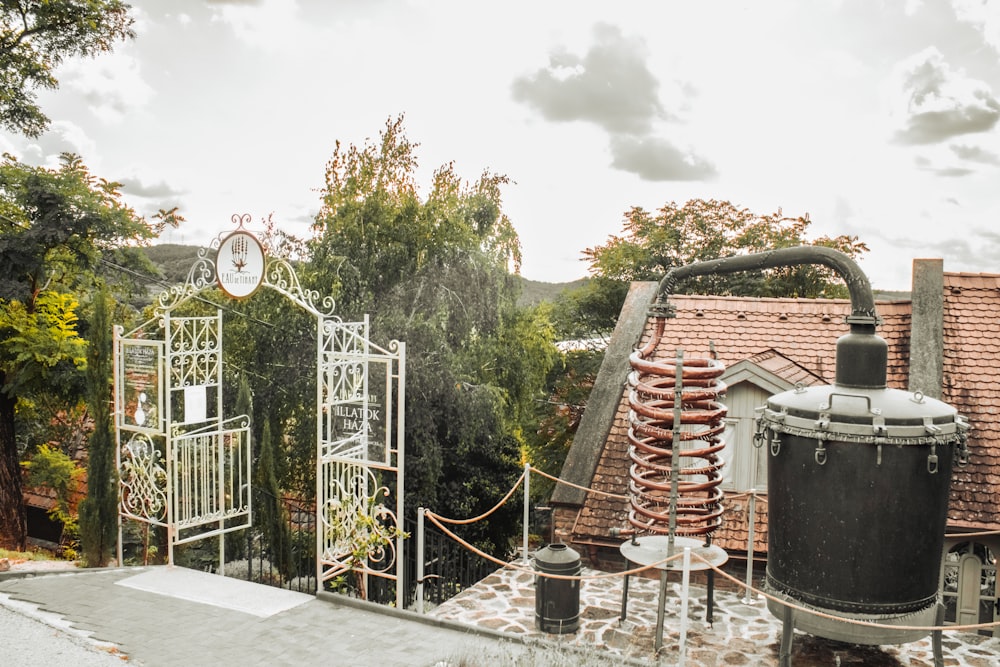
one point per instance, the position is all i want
(279, 552)
(286, 557)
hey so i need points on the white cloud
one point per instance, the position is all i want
(933, 102)
(984, 15)
(656, 159)
(610, 86)
(112, 84)
(272, 25)
(62, 137)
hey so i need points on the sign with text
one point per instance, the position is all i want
(141, 389)
(239, 264)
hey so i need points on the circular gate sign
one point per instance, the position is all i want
(239, 264)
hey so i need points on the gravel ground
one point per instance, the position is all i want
(30, 637)
(28, 641)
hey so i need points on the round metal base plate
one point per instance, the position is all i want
(650, 549)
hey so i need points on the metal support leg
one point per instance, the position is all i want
(661, 608)
(936, 637)
(787, 630)
(624, 598)
(709, 613)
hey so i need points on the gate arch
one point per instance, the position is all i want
(184, 466)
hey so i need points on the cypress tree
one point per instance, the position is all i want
(99, 510)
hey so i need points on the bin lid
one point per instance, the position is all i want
(556, 555)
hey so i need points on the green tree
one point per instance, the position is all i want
(55, 227)
(36, 36)
(437, 273)
(652, 244)
(99, 510)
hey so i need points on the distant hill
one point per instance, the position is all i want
(174, 260)
(534, 292)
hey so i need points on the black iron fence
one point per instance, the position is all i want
(280, 550)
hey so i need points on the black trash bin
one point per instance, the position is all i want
(557, 601)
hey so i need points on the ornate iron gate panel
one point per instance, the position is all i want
(182, 466)
(211, 480)
(359, 458)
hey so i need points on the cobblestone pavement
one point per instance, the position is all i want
(742, 634)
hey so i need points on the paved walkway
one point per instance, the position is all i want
(165, 616)
(172, 616)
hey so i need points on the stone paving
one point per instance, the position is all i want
(742, 634)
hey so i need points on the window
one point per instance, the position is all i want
(746, 465)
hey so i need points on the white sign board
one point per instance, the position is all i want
(239, 264)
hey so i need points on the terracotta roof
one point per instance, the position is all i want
(804, 331)
(971, 370)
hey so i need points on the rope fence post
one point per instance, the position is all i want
(420, 560)
(752, 514)
(527, 508)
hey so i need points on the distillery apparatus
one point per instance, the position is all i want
(858, 483)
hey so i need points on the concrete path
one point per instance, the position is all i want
(173, 616)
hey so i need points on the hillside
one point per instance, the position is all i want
(174, 260)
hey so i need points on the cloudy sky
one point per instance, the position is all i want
(878, 118)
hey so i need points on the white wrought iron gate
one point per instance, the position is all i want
(185, 467)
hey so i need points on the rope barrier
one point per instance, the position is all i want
(985, 533)
(437, 521)
(465, 522)
(558, 480)
(747, 494)
(852, 621)
(568, 577)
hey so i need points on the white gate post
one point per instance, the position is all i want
(420, 560)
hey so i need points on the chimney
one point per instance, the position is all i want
(927, 328)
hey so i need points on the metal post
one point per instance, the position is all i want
(752, 513)
(401, 469)
(527, 507)
(787, 633)
(219, 421)
(675, 448)
(165, 366)
(119, 375)
(685, 581)
(321, 483)
(420, 560)
(661, 607)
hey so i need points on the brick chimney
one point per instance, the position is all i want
(927, 327)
